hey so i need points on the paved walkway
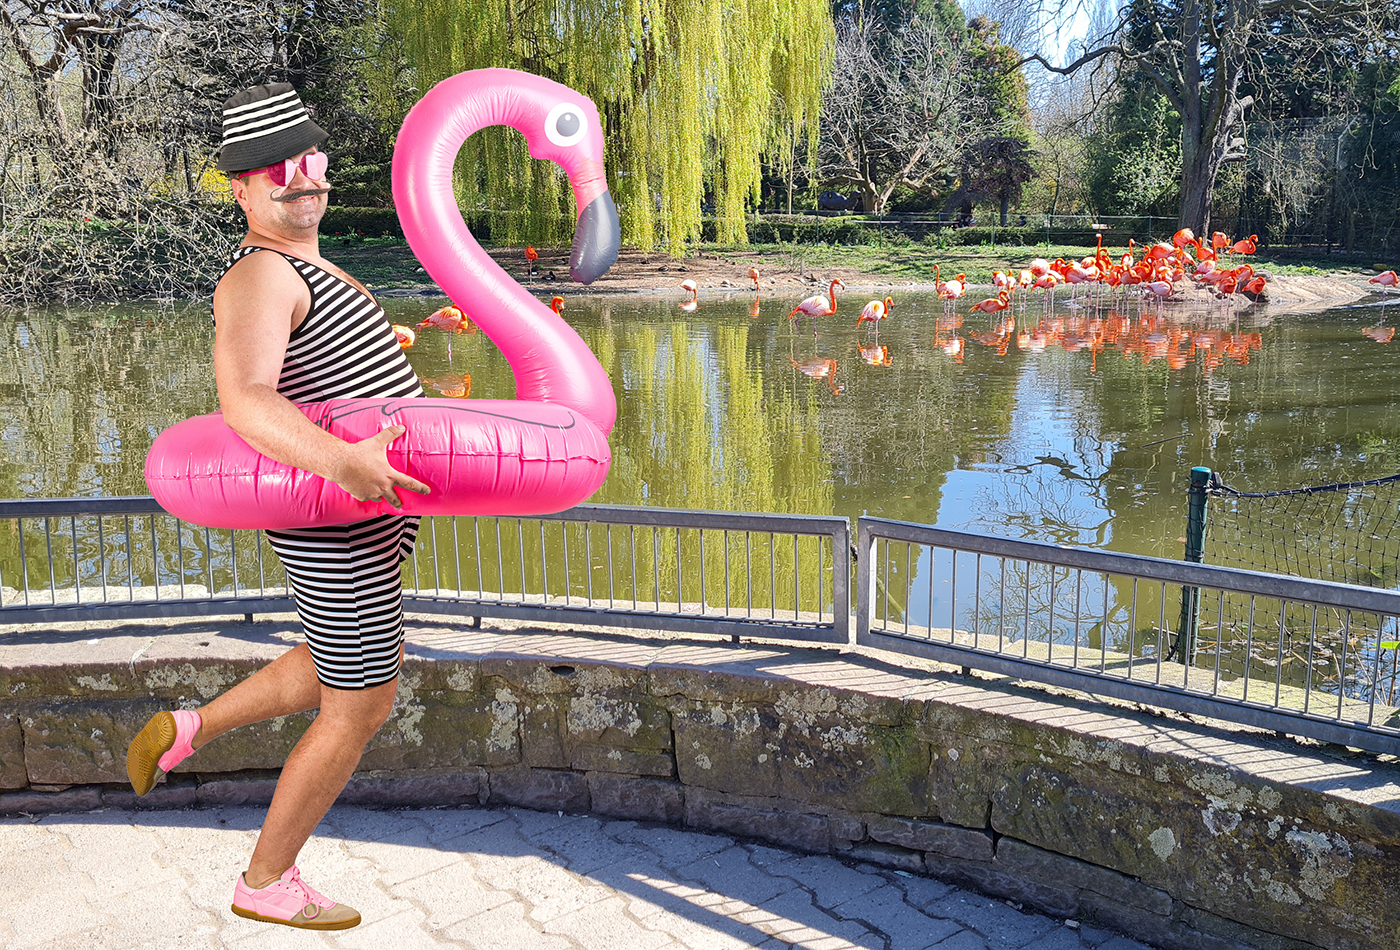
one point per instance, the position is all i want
(486, 879)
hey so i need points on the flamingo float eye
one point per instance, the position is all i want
(565, 125)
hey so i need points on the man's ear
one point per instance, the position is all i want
(240, 193)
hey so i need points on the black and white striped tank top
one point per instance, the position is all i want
(345, 348)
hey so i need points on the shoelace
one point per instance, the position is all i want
(309, 893)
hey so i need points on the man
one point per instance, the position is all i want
(292, 327)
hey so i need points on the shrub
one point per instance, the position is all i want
(371, 222)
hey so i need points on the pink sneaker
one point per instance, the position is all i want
(290, 901)
(161, 745)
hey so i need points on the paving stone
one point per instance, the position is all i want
(831, 882)
(919, 890)
(403, 855)
(1000, 925)
(505, 928)
(962, 940)
(484, 879)
(731, 873)
(450, 894)
(1062, 938)
(885, 911)
(1123, 943)
(604, 924)
(447, 826)
(676, 848)
(405, 930)
(795, 911)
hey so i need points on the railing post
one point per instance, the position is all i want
(1195, 553)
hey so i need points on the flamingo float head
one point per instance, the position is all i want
(550, 361)
(558, 123)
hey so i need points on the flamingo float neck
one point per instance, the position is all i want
(550, 361)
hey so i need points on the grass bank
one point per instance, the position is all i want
(386, 262)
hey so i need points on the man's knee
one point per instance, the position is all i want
(359, 709)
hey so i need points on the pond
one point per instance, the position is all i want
(1077, 426)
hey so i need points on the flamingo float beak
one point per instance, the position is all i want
(597, 237)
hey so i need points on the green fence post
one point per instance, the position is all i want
(1196, 553)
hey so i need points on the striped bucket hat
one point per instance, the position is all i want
(266, 124)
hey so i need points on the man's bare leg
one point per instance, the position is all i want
(285, 686)
(315, 773)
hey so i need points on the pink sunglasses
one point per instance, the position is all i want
(313, 165)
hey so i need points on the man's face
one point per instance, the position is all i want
(293, 208)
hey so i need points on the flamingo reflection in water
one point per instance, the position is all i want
(754, 307)
(952, 344)
(819, 367)
(876, 354)
(453, 385)
(1380, 334)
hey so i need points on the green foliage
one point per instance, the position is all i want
(342, 221)
(1134, 158)
(693, 95)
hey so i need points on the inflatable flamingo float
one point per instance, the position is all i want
(542, 452)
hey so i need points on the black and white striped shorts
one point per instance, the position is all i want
(349, 595)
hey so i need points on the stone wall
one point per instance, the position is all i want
(1180, 835)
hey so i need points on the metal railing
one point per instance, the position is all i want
(1311, 658)
(1308, 658)
(83, 559)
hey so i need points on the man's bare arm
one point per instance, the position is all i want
(254, 306)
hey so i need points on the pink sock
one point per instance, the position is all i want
(186, 725)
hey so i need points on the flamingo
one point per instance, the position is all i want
(1247, 246)
(819, 306)
(994, 304)
(557, 305)
(405, 336)
(1386, 281)
(531, 255)
(694, 301)
(753, 275)
(1218, 240)
(449, 318)
(875, 311)
(1183, 237)
(953, 289)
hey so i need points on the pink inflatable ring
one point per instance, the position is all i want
(542, 452)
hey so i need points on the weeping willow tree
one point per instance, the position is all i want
(694, 95)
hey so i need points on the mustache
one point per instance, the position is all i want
(294, 195)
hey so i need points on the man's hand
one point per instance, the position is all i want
(366, 474)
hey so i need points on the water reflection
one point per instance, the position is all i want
(1076, 426)
(720, 409)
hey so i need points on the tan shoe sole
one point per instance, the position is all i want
(345, 924)
(152, 742)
